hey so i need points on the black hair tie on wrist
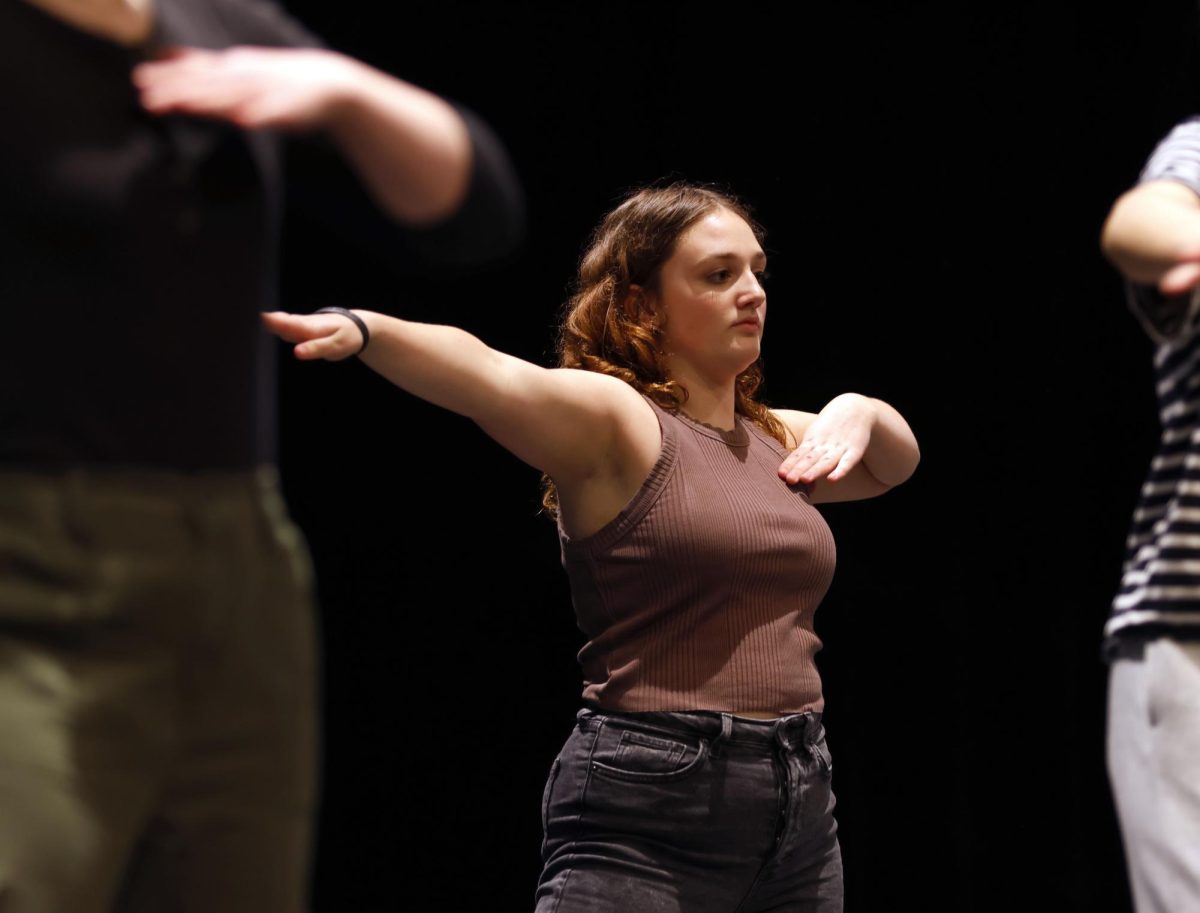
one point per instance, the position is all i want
(358, 322)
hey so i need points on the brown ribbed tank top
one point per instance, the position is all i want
(700, 594)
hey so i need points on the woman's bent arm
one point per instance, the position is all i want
(856, 447)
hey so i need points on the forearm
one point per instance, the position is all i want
(411, 149)
(1152, 229)
(441, 364)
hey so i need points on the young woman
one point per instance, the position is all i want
(697, 778)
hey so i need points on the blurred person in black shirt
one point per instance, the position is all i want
(157, 655)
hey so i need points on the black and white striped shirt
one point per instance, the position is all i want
(1160, 588)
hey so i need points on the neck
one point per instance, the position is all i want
(710, 400)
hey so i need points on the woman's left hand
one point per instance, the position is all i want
(834, 441)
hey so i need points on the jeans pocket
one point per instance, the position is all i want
(642, 757)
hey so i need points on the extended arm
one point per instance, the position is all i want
(856, 447)
(411, 149)
(572, 425)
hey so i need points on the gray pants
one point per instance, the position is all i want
(1154, 765)
(691, 812)
(156, 695)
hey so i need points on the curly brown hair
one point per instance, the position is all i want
(604, 328)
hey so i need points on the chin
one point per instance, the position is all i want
(747, 354)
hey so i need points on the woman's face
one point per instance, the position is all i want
(711, 299)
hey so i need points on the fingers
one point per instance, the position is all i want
(329, 348)
(174, 65)
(814, 460)
(848, 461)
(796, 463)
(205, 83)
(793, 465)
(284, 88)
(297, 327)
(213, 98)
(809, 462)
(318, 336)
(1180, 279)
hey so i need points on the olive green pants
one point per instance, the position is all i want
(157, 677)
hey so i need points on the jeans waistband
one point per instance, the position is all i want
(155, 511)
(133, 482)
(794, 730)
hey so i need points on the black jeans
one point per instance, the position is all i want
(695, 812)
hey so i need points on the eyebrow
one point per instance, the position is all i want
(730, 255)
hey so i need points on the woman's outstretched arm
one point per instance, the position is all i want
(856, 447)
(572, 425)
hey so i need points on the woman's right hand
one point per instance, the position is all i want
(328, 336)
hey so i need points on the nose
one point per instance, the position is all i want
(751, 293)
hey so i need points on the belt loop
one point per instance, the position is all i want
(782, 731)
(795, 730)
(726, 729)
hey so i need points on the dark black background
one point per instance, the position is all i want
(933, 180)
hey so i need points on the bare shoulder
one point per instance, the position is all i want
(610, 394)
(613, 404)
(610, 389)
(614, 468)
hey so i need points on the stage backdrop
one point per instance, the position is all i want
(933, 181)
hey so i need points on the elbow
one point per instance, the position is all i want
(1114, 235)
(903, 470)
(486, 223)
(909, 466)
(1150, 230)
(914, 462)
(895, 459)
(442, 185)
(896, 471)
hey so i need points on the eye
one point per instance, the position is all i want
(762, 276)
(719, 276)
